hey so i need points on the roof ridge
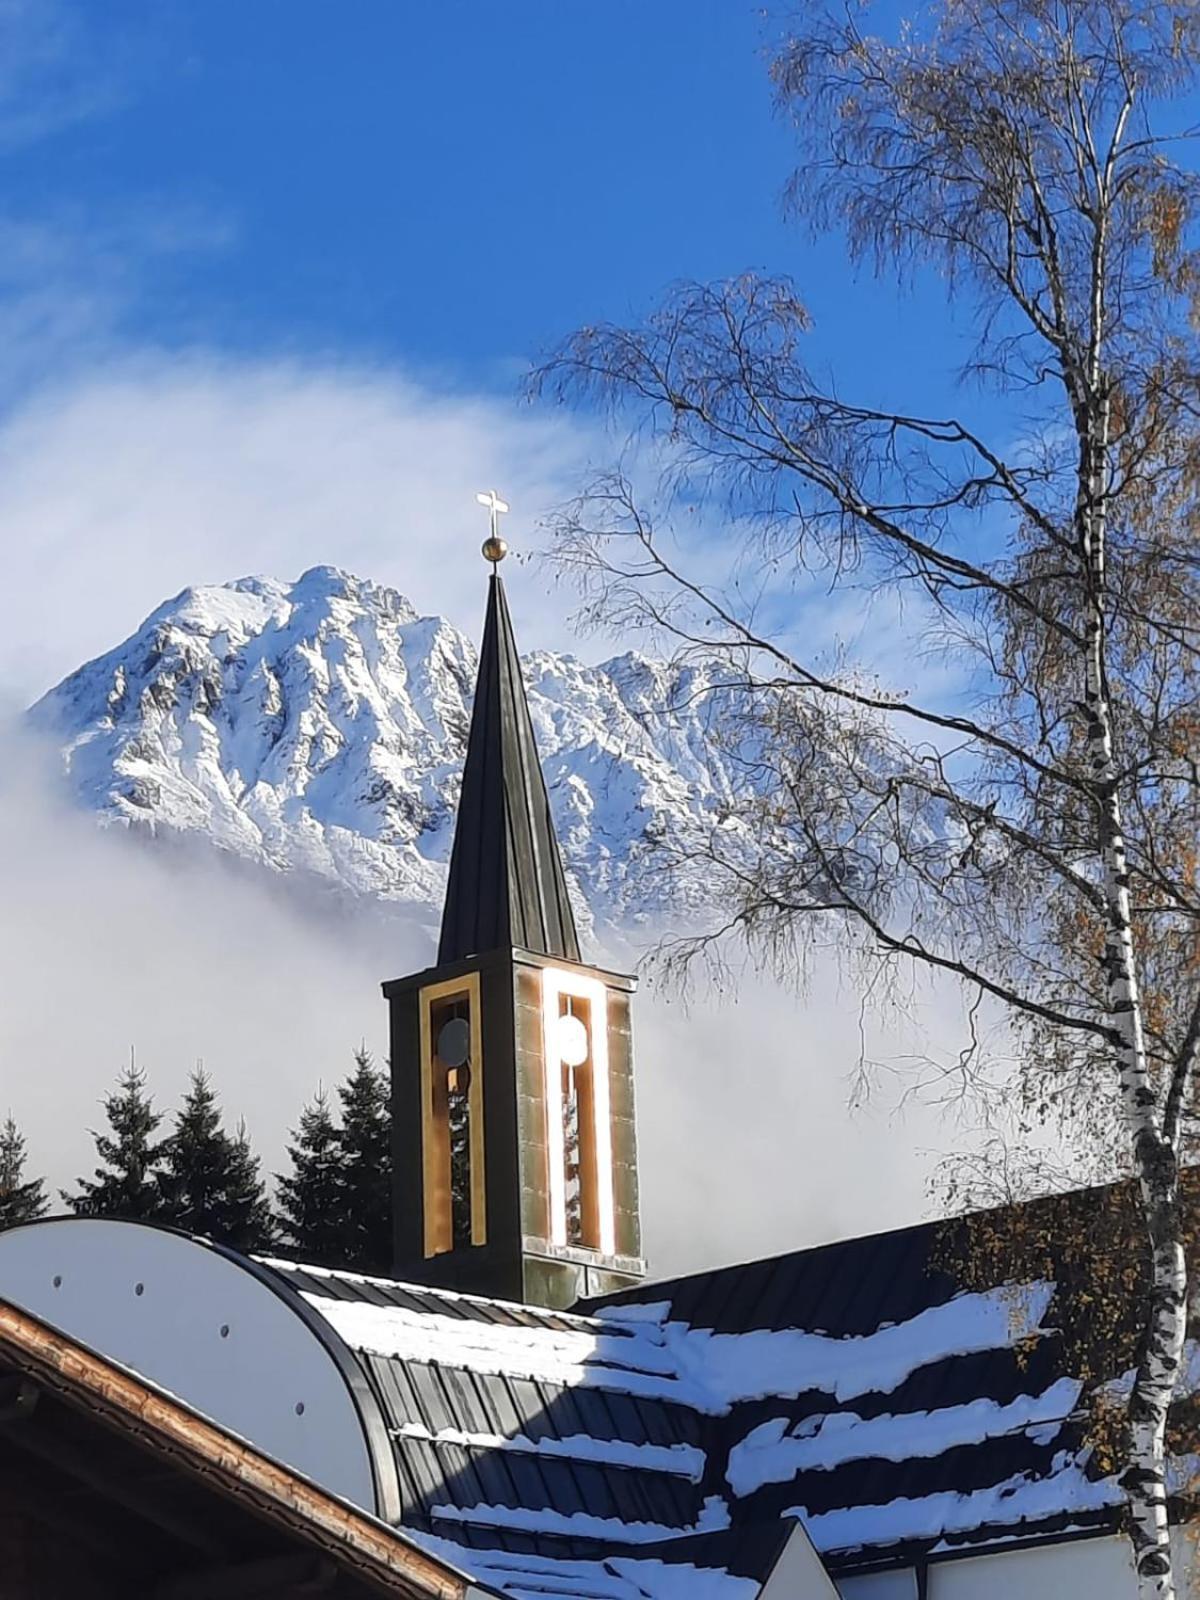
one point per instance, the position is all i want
(584, 1320)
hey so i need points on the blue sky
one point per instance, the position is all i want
(450, 185)
(271, 272)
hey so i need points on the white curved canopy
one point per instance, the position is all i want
(216, 1330)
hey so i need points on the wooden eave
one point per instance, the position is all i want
(375, 1558)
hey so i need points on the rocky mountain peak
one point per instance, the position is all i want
(319, 726)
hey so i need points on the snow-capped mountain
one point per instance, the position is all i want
(319, 728)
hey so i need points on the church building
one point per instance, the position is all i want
(522, 1410)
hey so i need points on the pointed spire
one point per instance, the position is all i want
(507, 888)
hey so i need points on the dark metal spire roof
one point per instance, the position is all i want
(506, 886)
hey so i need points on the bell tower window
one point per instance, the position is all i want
(574, 1009)
(452, 1116)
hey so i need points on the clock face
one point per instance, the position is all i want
(454, 1042)
(572, 1040)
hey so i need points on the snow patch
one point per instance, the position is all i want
(713, 1518)
(1020, 1499)
(531, 1577)
(679, 1460)
(594, 1358)
(764, 1363)
(771, 1453)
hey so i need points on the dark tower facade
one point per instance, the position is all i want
(514, 1143)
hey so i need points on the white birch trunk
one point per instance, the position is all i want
(1144, 1479)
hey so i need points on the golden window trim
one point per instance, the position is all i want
(466, 987)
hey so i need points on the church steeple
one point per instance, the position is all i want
(506, 884)
(514, 1145)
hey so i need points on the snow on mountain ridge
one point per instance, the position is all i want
(320, 727)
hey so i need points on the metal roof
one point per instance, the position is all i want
(858, 1387)
(506, 886)
(527, 1433)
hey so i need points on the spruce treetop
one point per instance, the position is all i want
(210, 1182)
(21, 1200)
(125, 1185)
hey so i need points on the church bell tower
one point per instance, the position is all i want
(514, 1144)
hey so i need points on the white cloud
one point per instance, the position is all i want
(749, 1143)
(122, 486)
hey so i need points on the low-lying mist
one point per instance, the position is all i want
(110, 943)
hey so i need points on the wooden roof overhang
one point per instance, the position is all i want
(147, 1493)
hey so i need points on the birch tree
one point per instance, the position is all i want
(1030, 828)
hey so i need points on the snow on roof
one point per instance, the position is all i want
(730, 1368)
(1065, 1492)
(775, 1452)
(642, 1448)
(635, 1363)
(530, 1577)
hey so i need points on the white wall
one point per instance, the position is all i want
(1098, 1569)
(203, 1327)
(880, 1586)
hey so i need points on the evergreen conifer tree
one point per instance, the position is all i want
(125, 1184)
(366, 1166)
(249, 1224)
(312, 1215)
(21, 1200)
(193, 1160)
(209, 1182)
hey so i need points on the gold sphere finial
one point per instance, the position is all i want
(494, 549)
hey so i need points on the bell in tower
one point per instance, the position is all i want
(515, 1150)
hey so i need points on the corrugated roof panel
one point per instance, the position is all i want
(495, 1400)
(426, 1472)
(628, 1418)
(591, 1483)
(436, 1411)
(461, 1390)
(777, 1297)
(497, 1480)
(462, 1485)
(394, 1387)
(594, 1413)
(406, 1299)
(564, 1412)
(738, 1312)
(415, 1487)
(926, 1380)
(534, 1404)
(534, 1488)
